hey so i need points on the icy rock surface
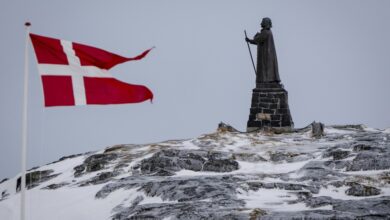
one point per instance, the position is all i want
(345, 174)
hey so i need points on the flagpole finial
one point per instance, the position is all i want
(27, 24)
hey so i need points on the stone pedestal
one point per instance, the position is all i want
(269, 108)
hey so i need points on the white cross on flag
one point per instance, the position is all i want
(77, 74)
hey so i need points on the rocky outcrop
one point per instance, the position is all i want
(371, 161)
(345, 174)
(170, 161)
(94, 163)
(317, 129)
(34, 178)
(222, 127)
(357, 189)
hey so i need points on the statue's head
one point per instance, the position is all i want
(266, 23)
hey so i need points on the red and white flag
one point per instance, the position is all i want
(77, 74)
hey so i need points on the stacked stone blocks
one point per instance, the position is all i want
(269, 107)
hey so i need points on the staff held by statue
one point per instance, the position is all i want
(250, 52)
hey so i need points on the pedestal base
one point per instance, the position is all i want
(269, 108)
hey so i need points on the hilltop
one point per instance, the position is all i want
(223, 175)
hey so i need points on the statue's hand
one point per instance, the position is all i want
(246, 39)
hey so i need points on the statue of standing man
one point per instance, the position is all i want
(267, 63)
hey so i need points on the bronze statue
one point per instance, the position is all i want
(267, 63)
(269, 105)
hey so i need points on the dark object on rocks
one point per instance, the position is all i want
(362, 190)
(317, 129)
(94, 163)
(222, 127)
(34, 178)
(269, 108)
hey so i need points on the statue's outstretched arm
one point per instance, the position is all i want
(250, 41)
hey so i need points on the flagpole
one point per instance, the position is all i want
(24, 129)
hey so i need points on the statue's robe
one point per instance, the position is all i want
(267, 63)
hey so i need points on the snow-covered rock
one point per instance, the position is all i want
(224, 175)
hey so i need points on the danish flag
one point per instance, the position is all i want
(77, 74)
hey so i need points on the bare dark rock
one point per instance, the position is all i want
(94, 163)
(366, 208)
(183, 211)
(337, 183)
(100, 178)
(317, 129)
(316, 202)
(191, 161)
(337, 164)
(222, 165)
(248, 157)
(98, 161)
(362, 147)
(115, 148)
(368, 160)
(359, 208)
(312, 215)
(286, 157)
(222, 127)
(163, 172)
(34, 178)
(78, 170)
(357, 189)
(174, 160)
(56, 185)
(161, 160)
(3, 180)
(254, 186)
(337, 154)
(318, 171)
(4, 195)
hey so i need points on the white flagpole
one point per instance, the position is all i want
(24, 129)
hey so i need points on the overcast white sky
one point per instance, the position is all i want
(333, 60)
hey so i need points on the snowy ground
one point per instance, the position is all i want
(236, 174)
